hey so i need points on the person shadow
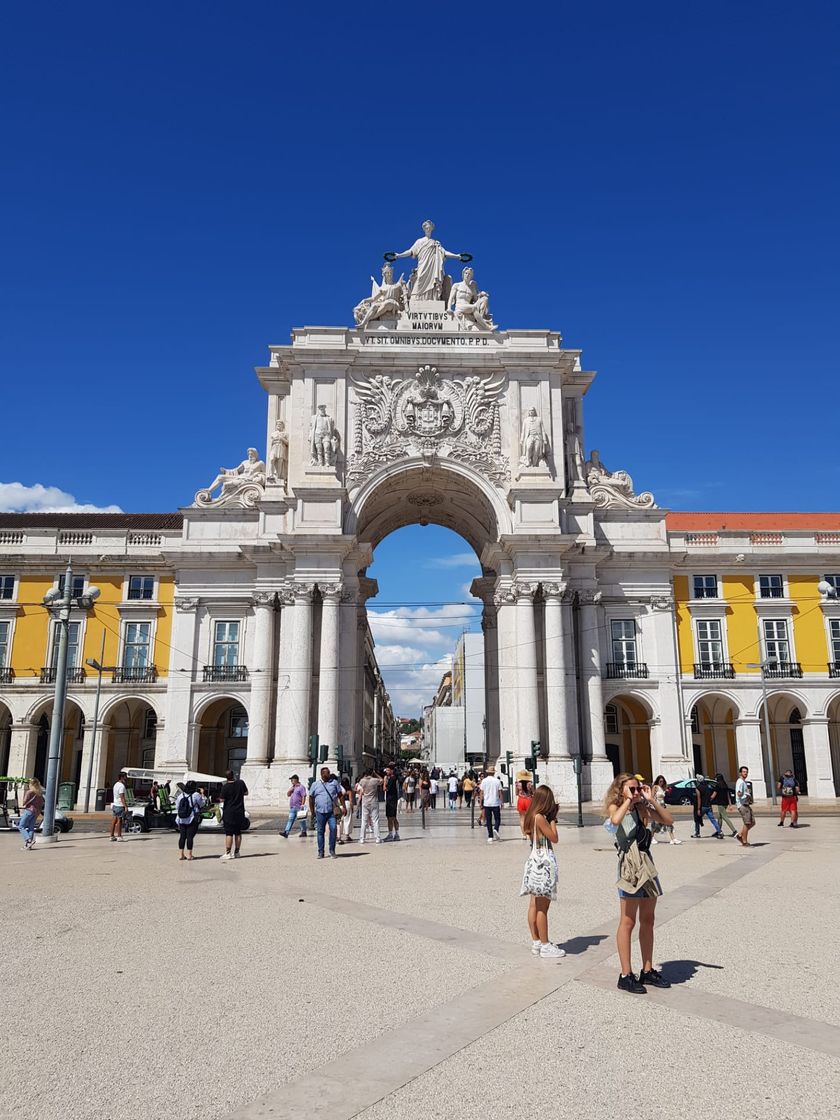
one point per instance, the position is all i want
(680, 972)
(577, 945)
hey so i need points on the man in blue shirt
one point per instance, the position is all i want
(324, 795)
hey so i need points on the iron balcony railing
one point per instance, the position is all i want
(131, 674)
(7, 676)
(714, 671)
(626, 670)
(781, 670)
(214, 673)
(74, 676)
(834, 668)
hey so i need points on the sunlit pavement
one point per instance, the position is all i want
(397, 979)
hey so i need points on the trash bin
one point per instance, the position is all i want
(66, 795)
(100, 801)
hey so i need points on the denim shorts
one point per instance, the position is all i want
(118, 810)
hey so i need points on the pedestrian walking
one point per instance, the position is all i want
(368, 788)
(433, 791)
(539, 879)
(408, 791)
(744, 803)
(630, 806)
(32, 808)
(524, 796)
(233, 795)
(468, 786)
(452, 788)
(346, 830)
(722, 799)
(119, 805)
(425, 789)
(490, 793)
(703, 808)
(297, 808)
(324, 796)
(659, 789)
(188, 808)
(392, 796)
(788, 787)
(505, 783)
(460, 792)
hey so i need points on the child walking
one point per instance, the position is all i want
(540, 878)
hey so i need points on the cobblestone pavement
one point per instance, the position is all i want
(397, 980)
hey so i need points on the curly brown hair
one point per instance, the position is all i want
(613, 795)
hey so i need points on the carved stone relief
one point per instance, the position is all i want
(240, 486)
(427, 415)
(613, 489)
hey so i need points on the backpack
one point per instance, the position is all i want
(182, 817)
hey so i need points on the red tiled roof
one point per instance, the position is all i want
(734, 521)
(91, 520)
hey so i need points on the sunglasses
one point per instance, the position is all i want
(634, 789)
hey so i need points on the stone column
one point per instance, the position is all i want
(347, 692)
(22, 739)
(600, 767)
(562, 734)
(491, 680)
(182, 664)
(510, 740)
(262, 681)
(748, 743)
(99, 750)
(818, 759)
(193, 742)
(328, 689)
(526, 664)
(294, 734)
(285, 601)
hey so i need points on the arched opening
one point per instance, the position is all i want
(222, 737)
(713, 736)
(39, 742)
(5, 738)
(128, 735)
(425, 532)
(787, 742)
(627, 734)
(833, 711)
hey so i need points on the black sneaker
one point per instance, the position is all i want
(654, 978)
(781, 824)
(794, 825)
(629, 983)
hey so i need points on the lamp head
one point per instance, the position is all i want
(52, 595)
(825, 588)
(93, 593)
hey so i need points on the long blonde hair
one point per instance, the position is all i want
(613, 796)
(35, 785)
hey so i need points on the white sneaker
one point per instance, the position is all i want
(226, 855)
(549, 950)
(675, 841)
(653, 840)
(377, 841)
(496, 835)
(490, 840)
(535, 947)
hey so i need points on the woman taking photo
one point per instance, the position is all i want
(540, 877)
(630, 807)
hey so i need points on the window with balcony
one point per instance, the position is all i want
(705, 587)
(771, 587)
(710, 664)
(625, 662)
(141, 588)
(5, 631)
(7, 587)
(776, 644)
(225, 665)
(78, 586)
(75, 672)
(137, 654)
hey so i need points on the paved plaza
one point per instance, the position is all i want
(397, 980)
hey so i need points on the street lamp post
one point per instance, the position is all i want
(63, 608)
(768, 762)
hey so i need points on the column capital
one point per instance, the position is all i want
(330, 592)
(661, 603)
(555, 590)
(524, 589)
(589, 597)
(814, 721)
(302, 592)
(503, 597)
(263, 599)
(186, 604)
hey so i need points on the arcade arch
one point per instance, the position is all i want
(787, 738)
(833, 713)
(715, 750)
(37, 751)
(221, 736)
(5, 737)
(627, 720)
(128, 735)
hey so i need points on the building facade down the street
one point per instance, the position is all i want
(612, 630)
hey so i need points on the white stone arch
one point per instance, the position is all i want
(204, 702)
(712, 698)
(156, 703)
(411, 491)
(43, 705)
(782, 697)
(210, 745)
(714, 742)
(629, 746)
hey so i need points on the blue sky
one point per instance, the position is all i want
(183, 183)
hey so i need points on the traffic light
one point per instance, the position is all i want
(325, 750)
(313, 749)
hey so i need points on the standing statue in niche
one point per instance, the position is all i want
(471, 307)
(323, 439)
(387, 299)
(429, 279)
(533, 440)
(278, 454)
(242, 485)
(574, 442)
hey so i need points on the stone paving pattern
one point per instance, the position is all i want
(402, 983)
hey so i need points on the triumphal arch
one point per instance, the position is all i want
(425, 410)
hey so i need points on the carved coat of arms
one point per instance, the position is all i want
(430, 416)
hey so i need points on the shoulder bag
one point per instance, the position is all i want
(540, 874)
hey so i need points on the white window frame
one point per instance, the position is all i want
(706, 598)
(141, 575)
(611, 715)
(636, 643)
(833, 578)
(771, 598)
(833, 621)
(226, 621)
(789, 638)
(6, 661)
(15, 588)
(124, 625)
(705, 620)
(52, 647)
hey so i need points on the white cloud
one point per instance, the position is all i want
(456, 560)
(412, 689)
(17, 498)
